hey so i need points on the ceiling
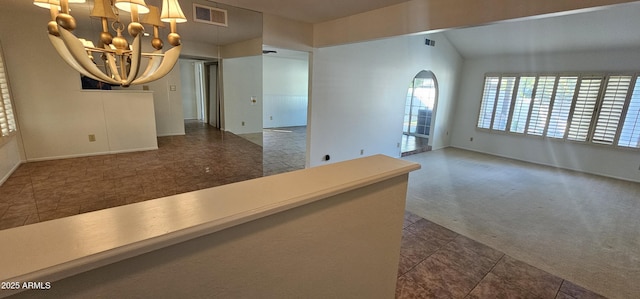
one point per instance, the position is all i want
(613, 27)
(312, 11)
(600, 29)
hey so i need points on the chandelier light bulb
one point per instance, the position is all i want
(119, 60)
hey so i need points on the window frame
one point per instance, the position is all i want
(604, 78)
(5, 138)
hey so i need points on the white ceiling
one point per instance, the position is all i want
(612, 27)
(312, 11)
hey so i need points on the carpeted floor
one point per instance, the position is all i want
(581, 227)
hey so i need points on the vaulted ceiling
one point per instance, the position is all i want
(613, 27)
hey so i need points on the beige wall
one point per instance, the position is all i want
(9, 157)
(287, 34)
(250, 47)
(242, 80)
(55, 115)
(430, 15)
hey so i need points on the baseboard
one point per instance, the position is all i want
(91, 154)
(549, 165)
(171, 134)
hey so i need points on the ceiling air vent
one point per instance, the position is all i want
(209, 15)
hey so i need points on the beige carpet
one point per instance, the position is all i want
(583, 228)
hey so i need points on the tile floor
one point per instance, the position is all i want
(204, 157)
(284, 149)
(435, 262)
(438, 263)
(412, 145)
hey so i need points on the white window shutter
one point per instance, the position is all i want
(541, 104)
(488, 102)
(561, 107)
(610, 109)
(630, 134)
(584, 108)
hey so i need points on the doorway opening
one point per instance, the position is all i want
(200, 91)
(212, 105)
(419, 117)
(285, 106)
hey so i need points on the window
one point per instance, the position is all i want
(561, 107)
(630, 135)
(541, 104)
(598, 109)
(521, 106)
(584, 108)
(7, 120)
(611, 109)
(503, 103)
(488, 101)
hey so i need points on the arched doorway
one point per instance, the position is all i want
(422, 96)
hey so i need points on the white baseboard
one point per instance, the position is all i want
(91, 154)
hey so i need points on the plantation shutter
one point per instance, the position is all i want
(611, 109)
(488, 101)
(630, 134)
(561, 107)
(584, 108)
(7, 120)
(503, 103)
(541, 103)
(524, 95)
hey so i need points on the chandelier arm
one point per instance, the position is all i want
(169, 60)
(134, 67)
(111, 62)
(152, 65)
(78, 52)
(58, 44)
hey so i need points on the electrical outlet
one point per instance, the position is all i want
(243, 124)
(92, 137)
(270, 117)
(361, 152)
(471, 139)
(398, 145)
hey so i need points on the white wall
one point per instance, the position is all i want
(188, 90)
(168, 104)
(286, 89)
(242, 79)
(55, 116)
(587, 158)
(359, 92)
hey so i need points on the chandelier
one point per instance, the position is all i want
(118, 62)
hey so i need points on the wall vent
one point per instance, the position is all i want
(209, 15)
